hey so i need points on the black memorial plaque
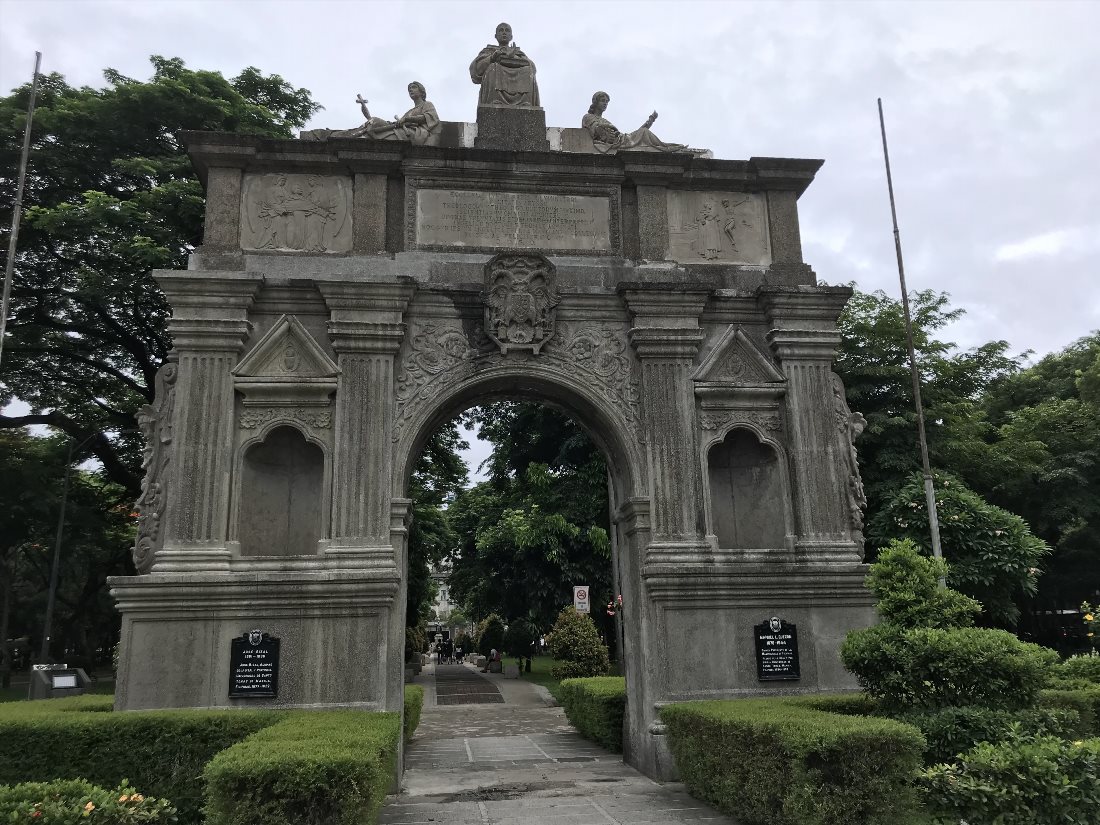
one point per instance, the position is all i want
(254, 667)
(776, 651)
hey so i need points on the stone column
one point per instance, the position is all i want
(208, 327)
(366, 332)
(666, 336)
(805, 337)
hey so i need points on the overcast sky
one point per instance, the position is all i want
(993, 111)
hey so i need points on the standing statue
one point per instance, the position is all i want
(506, 75)
(851, 425)
(417, 126)
(609, 139)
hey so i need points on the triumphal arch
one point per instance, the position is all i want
(356, 288)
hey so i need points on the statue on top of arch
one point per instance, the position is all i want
(506, 75)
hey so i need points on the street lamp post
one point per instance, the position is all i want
(44, 649)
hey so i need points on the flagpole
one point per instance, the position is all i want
(17, 212)
(929, 488)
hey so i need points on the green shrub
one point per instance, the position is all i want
(331, 767)
(576, 645)
(906, 585)
(1084, 700)
(65, 801)
(932, 667)
(952, 731)
(520, 638)
(414, 704)
(776, 762)
(848, 704)
(1024, 780)
(1084, 668)
(595, 708)
(161, 752)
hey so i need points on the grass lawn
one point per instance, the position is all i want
(540, 675)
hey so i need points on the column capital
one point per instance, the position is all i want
(209, 309)
(803, 307)
(377, 302)
(366, 338)
(665, 304)
(666, 342)
(804, 344)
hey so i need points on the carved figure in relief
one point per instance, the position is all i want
(155, 421)
(291, 215)
(520, 301)
(419, 125)
(709, 243)
(851, 425)
(606, 138)
(506, 75)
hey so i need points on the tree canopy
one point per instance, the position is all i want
(111, 195)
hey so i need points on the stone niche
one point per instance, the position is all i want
(284, 443)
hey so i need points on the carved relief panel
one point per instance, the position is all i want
(718, 227)
(521, 300)
(296, 213)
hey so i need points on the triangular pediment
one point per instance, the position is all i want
(287, 352)
(735, 359)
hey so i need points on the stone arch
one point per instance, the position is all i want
(744, 456)
(530, 382)
(281, 469)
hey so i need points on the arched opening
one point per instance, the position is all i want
(281, 490)
(747, 493)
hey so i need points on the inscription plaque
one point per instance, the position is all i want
(254, 666)
(513, 220)
(776, 651)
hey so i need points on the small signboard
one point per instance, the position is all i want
(254, 666)
(776, 651)
(580, 599)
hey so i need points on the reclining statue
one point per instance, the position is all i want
(606, 138)
(417, 126)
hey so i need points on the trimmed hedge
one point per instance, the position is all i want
(161, 752)
(846, 704)
(953, 731)
(331, 767)
(1025, 780)
(931, 667)
(1084, 700)
(1086, 668)
(414, 704)
(595, 707)
(778, 762)
(65, 801)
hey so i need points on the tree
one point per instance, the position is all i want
(98, 533)
(539, 525)
(873, 363)
(110, 195)
(994, 556)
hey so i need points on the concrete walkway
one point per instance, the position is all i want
(520, 762)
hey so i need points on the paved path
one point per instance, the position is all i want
(520, 763)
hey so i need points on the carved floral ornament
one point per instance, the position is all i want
(438, 355)
(765, 421)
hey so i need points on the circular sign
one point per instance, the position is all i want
(582, 595)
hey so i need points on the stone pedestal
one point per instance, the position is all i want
(519, 128)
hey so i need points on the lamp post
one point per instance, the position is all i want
(44, 649)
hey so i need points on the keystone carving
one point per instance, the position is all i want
(155, 421)
(520, 302)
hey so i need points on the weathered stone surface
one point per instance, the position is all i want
(706, 227)
(341, 309)
(511, 127)
(512, 220)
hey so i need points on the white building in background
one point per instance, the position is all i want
(442, 606)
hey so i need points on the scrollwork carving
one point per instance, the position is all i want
(155, 421)
(253, 418)
(767, 422)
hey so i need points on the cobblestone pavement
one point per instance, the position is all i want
(521, 763)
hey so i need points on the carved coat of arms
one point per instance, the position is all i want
(520, 302)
